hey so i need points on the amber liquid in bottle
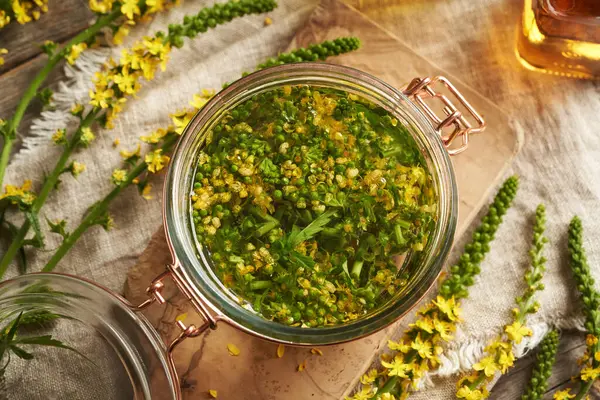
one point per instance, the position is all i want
(561, 37)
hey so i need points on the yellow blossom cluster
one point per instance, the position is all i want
(417, 352)
(19, 195)
(24, 11)
(132, 11)
(499, 358)
(117, 81)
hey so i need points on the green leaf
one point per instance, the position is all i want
(58, 227)
(38, 239)
(19, 352)
(48, 341)
(311, 229)
(302, 260)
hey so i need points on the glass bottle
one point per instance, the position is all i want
(561, 37)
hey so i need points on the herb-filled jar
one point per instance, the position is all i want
(305, 204)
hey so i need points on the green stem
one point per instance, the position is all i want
(49, 184)
(99, 209)
(584, 390)
(13, 124)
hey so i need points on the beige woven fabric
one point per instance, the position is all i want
(559, 163)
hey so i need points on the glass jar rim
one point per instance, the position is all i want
(194, 267)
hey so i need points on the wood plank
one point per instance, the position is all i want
(64, 19)
(14, 82)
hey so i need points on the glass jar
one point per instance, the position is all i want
(415, 107)
(561, 37)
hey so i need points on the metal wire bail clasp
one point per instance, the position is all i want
(454, 123)
(155, 295)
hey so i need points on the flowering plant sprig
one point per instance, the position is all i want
(117, 15)
(21, 11)
(419, 349)
(542, 369)
(499, 353)
(118, 81)
(163, 139)
(590, 299)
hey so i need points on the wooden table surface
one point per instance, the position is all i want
(67, 17)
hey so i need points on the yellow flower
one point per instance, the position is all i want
(76, 50)
(498, 344)
(20, 12)
(591, 340)
(101, 6)
(400, 346)
(127, 82)
(4, 19)
(516, 331)
(424, 348)
(119, 177)
(397, 367)
(116, 142)
(130, 8)
(443, 328)
(181, 119)
(155, 6)
(487, 365)
(563, 395)
(155, 136)
(448, 307)
(77, 109)
(201, 99)
(365, 393)
(59, 136)
(156, 46)
(213, 393)
(156, 161)
(597, 356)
(127, 155)
(590, 373)
(424, 324)
(369, 377)
(120, 34)
(2, 52)
(17, 194)
(146, 191)
(100, 97)
(506, 360)
(77, 168)
(468, 394)
(87, 136)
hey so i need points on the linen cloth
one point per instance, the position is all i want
(558, 164)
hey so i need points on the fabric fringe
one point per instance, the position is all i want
(462, 358)
(74, 88)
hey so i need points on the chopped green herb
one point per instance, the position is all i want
(303, 196)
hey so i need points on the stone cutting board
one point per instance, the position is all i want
(257, 373)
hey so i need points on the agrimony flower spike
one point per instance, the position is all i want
(590, 299)
(542, 369)
(419, 349)
(499, 355)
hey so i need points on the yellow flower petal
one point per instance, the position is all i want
(302, 366)
(280, 350)
(233, 350)
(316, 351)
(212, 393)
